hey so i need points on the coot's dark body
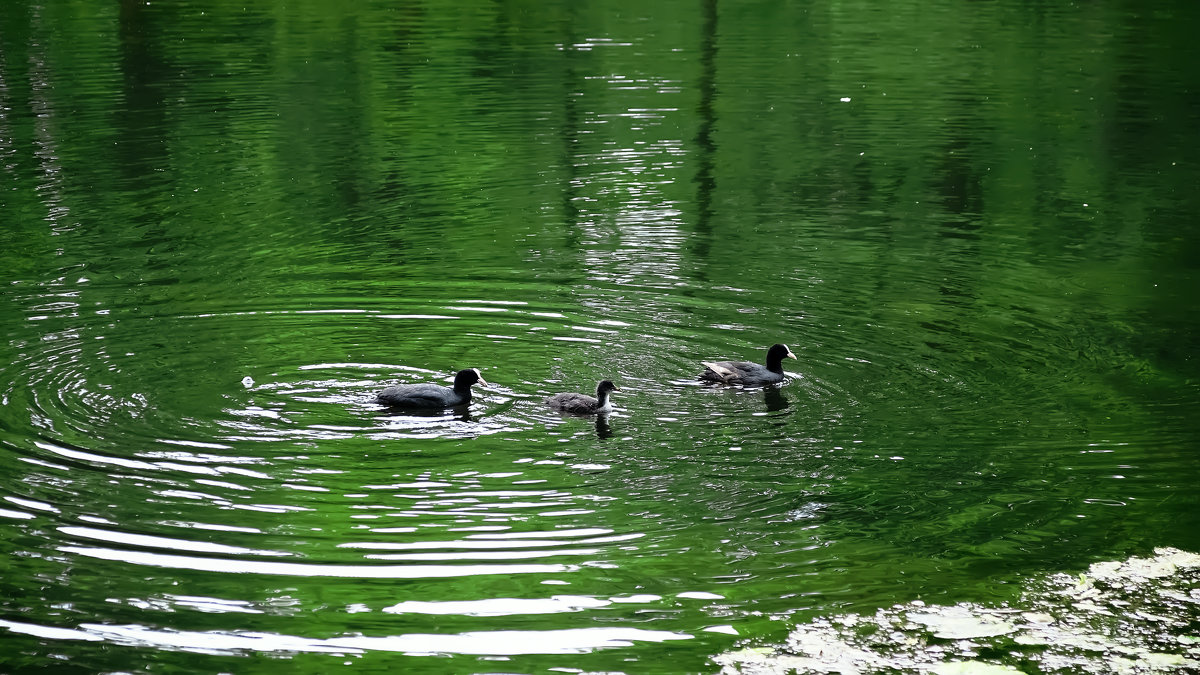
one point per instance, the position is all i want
(582, 404)
(432, 395)
(746, 372)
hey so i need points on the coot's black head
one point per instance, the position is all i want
(606, 385)
(775, 356)
(463, 379)
(780, 351)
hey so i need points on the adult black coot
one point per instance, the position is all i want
(432, 395)
(745, 372)
(582, 404)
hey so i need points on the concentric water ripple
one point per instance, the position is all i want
(268, 454)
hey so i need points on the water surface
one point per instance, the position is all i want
(225, 228)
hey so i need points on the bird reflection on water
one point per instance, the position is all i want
(603, 430)
(774, 398)
(461, 413)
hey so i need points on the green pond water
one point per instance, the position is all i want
(225, 226)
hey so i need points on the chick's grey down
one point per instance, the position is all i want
(582, 404)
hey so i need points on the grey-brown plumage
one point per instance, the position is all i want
(582, 404)
(746, 372)
(432, 395)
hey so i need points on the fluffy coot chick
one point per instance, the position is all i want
(582, 404)
(432, 395)
(745, 372)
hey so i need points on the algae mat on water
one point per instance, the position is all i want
(1134, 616)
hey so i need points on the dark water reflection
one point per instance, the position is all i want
(226, 230)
